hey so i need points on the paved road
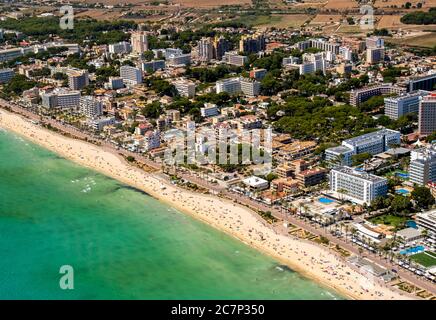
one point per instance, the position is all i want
(193, 178)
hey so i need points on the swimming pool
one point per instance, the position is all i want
(402, 175)
(413, 250)
(411, 224)
(402, 191)
(324, 200)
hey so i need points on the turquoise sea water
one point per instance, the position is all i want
(122, 243)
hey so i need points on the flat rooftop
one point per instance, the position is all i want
(370, 136)
(359, 174)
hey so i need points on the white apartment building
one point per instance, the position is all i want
(321, 44)
(290, 61)
(396, 107)
(312, 63)
(372, 143)
(361, 95)
(236, 85)
(61, 98)
(91, 107)
(10, 54)
(427, 220)
(235, 59)
(120, 48)
(231, 85)
(99, 124)
(357, 186)
(153, 65)
(346, 53)
(422, 168)
(131, 75)
(151, 140)
(205, 49)
(178, 59)
(250, 87)
(185, 88)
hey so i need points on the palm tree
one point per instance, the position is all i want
(342, 192)
(337, 161)
(347, 228)
(424, 233)
(394, 145)
(353, 231)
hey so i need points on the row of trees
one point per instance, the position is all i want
(420, 17)
(99, 32)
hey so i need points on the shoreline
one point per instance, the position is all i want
(311, 261)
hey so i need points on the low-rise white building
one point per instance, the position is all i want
(255, 183)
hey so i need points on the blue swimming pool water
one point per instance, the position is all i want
(413, 250)
(402, 191)
(411, 224)
(325, 200)
(402, 175)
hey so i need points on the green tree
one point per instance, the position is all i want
(400, 205)
(360, 158)
(423, 197)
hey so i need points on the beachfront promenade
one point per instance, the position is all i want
(217, 189)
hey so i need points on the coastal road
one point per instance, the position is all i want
(319, 231)
(280, 214)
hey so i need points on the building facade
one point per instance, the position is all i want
(6, 75)
(153, 65)
(372, 143)
(77, 80)
(427, 114)
(422, 83)
(120, 48)
(357, 186)
(396, 107)
(361, 95)
(185, 88)
(422, 168)
(139, 42)
(131, 75)
(90, 107)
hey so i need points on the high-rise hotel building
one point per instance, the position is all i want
(139, 42)
(205, 49)
(357, 186)
(422, 168)
(427, 114)
(396, 107)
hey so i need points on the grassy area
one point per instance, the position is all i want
(426, 40)
(426, 259)
(389, 220)
(259, 20)
(286, 21)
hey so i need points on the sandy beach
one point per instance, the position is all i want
(311, 260)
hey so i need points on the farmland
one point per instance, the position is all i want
(286, 21)
(427, 40)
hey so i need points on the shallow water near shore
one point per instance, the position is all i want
(121, 243)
